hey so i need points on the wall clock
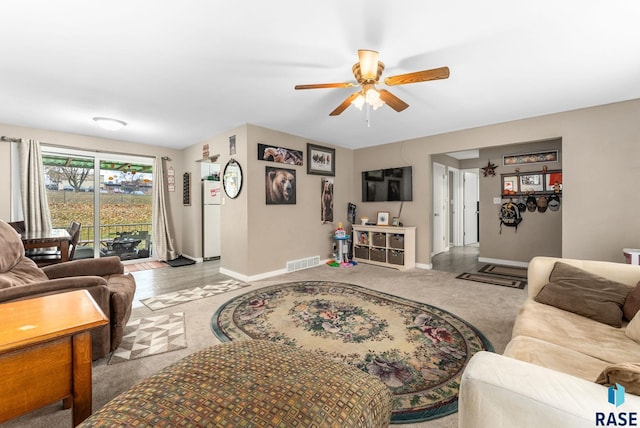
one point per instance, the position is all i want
(232, 179)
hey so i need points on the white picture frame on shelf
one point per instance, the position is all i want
(383, 218)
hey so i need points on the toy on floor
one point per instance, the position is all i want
(341, 258)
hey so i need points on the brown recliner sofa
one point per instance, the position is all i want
(104, 278)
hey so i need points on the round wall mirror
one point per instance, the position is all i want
(232, 179)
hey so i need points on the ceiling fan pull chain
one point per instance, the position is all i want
(368, 115)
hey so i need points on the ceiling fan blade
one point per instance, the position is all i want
(325, 85)
(392, 101)
(418, 76)
(346, 103)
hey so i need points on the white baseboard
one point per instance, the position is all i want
(247, 278)
(264, 275)
(503, 262)
(424, 266)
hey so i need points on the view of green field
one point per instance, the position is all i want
(116, 209)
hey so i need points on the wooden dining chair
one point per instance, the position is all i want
(48, 259)
(18, 226)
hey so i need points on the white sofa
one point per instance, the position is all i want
(546, 377)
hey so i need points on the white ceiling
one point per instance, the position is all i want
(180, 72)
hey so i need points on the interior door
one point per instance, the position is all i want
(471, 214)
(439, 208)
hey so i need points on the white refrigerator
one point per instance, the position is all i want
(211, 197)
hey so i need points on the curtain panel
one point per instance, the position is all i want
(162, 237)
(35, 206)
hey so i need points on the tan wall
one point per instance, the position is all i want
(233, 211)
(258, 238)
(539, 233)
(600, 160)
(281, 233)
(599, 143)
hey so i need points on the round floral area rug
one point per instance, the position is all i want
(419, 351)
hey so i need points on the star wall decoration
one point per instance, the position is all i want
(489, 170)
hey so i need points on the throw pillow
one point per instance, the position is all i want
(626, 374)
(584, 293)
(632, 304)
(633, 328)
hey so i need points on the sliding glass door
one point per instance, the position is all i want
(109, 194)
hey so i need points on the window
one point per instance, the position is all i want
(114, 205)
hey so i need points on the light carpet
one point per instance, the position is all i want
(490, 309)
(177, 297)
(419, 351)
(148, 336)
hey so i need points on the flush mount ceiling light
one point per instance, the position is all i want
(109, 124)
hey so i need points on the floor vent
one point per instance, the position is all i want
(295, 265)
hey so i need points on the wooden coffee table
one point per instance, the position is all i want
(45, 353)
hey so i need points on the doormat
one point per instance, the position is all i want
(494, 279)
(513, 271)
(151, 336)
(180, 261)
(419, 351)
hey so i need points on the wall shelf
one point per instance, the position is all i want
(534, 183)
(210, 159)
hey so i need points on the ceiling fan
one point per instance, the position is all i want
(367, 72)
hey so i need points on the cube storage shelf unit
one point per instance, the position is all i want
(388, 246)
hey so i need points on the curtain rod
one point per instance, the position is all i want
(17, 140)
(9, 139)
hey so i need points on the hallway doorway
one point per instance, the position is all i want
(455, 217)
(458, 260)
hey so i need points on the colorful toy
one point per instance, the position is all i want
(341, 258)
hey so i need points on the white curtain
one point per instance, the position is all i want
(162, 239)
(35, 206)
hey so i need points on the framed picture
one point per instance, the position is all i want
(321, 160)
(509, 184)
(326, 200)
(186, 189)
(383, 218)
(536, 157)
(232, 145)
(554, 181)
(279, 154)
(395, 221)
(531, 183)
(280, 186)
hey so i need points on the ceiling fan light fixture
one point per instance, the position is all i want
(358, 102)
(109, 124)
(368, 64)
(372, 96)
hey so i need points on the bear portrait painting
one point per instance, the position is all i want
(280, 185)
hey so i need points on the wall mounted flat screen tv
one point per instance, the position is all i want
(391, 184)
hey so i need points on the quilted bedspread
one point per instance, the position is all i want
(248, 384)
